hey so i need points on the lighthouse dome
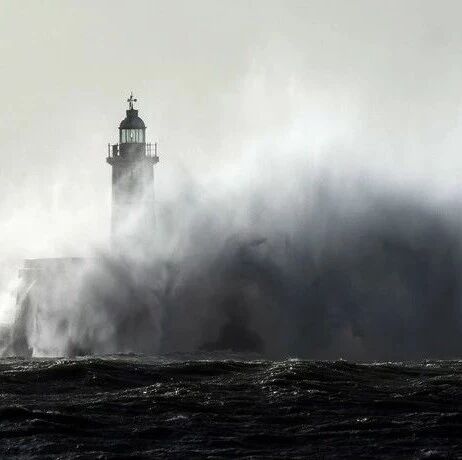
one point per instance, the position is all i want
(132, 121)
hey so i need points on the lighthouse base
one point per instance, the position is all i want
(78, 306)
(44, 284)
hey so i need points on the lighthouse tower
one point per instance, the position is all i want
(132, 161)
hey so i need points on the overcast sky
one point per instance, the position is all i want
(355, 85)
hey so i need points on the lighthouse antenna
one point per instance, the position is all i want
(131, 100)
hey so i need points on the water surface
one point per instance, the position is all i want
(145, 407)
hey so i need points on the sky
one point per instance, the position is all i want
(231, 90)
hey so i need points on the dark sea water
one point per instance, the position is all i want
(146, 407)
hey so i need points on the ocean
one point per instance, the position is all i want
(210, 406)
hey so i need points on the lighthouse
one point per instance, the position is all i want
(54, 293)
(132, 160)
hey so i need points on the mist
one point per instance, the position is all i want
(307, 198)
